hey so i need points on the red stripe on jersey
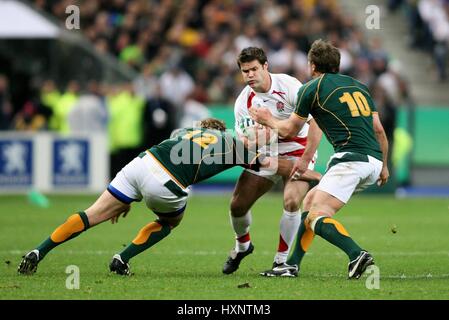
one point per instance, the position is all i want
(250, 99)
(279, 93)
(296, 153)
(301, 141)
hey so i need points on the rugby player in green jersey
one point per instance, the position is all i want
(161, 176)
(344, 110)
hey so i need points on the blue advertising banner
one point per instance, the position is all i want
(16, 167)
(71, 162)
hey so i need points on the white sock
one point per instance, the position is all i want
(288, 228)
(241, 228)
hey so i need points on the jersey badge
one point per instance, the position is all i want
(280, 106)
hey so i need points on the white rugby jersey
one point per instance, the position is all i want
(280, 99)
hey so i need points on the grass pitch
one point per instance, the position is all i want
(408, 238)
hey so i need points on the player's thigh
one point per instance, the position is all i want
(160, 193)
(160, 198)
(323, 203)
(249, 188)
(341, 180)
(120, 193)
(124, 186)
(104, 208)
(294, 193)
(335, 188)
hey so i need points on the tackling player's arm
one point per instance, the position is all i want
(287, 128)
(250, 158)
(313, 141)
(290, 127)
(246, 154)
(383, 142)
(284, 167)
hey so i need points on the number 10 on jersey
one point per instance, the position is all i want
(357, 103)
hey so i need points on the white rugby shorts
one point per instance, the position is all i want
(145, 178)
(345, 178)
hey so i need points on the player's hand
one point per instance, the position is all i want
(115, 219)
(258, 136)
(265, 162)
(298, 169)
(270, 164)
(383, 177)
(260, 115)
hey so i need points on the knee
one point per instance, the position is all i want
(238, 208)
(291, 204)
(313, 216)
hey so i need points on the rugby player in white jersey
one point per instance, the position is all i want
(278, 93)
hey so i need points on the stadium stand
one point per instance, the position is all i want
(193, 46)
(190, 48)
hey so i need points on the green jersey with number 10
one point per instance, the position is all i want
(343, 108)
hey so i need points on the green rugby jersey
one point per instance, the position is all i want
(196, 154)
(343, 108)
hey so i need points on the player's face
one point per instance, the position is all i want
(256, 75)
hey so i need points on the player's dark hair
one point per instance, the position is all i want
(250, 54)
(324, 56)
(212, 123)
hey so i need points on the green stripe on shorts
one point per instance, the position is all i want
(347, 157)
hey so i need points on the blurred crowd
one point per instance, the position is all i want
(185, 54)
(428, 23)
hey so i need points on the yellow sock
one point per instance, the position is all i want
(74, 224)
(145, 233)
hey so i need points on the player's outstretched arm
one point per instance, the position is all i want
(283, 167)
(287, 128)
